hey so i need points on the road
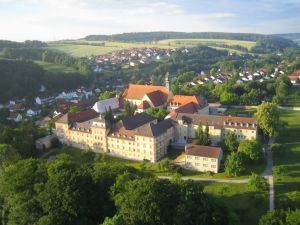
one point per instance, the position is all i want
(269, 175)
(243, 181)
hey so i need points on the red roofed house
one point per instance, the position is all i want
(146, 96)
(295, 77)
(188, 104)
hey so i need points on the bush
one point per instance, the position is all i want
(257, 183)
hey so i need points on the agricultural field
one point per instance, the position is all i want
(293, 99)
(84, 50)
(55, 68)
(287, 167)
(240, 112)
(208, 42)
(249, 206)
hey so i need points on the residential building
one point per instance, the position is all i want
(187, 124)
(103, 105)
(202, 158)
(139, 137)
(45, 142)
(295, 77)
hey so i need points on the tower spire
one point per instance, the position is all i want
(167, 81)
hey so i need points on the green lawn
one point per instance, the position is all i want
(84, 156)
(56, 68)
(293, 99)
(249, 206)
(194, 42)
(289, 179)
(240, 112)
(88, 50)
(83, 50)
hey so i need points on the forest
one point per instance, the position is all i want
(21, 79)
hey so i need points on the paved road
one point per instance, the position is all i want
(269, 176)
(209, 180)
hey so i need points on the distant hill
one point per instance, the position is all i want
(156, 36)
(291, 36)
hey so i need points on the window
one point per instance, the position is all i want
(189, 157)
(205, 165)
(197, 164)
(197, 157)
(213, 160)
(213, 166)
(205, 159)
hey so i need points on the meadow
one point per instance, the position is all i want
(55, 68)
(287, 167)
(84, 50)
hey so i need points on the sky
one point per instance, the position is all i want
(49, 20)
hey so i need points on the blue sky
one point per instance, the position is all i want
(62, 19)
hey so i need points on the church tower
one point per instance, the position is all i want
(167, 81)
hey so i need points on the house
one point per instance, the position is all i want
(45, 142)
(31, 113)
(103, 105)
(202, 158)
(42, 121)
(295, 77)
(17, 107)
(146, 96)
(15, 116)
(44, 100)
(188, 104)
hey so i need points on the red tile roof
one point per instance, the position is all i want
(78, 117)
(203, 151)
(144, 105)
(136, 91)
(156, 98)
(296, 73)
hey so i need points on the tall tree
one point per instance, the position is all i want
(268, 118)
(234, 165)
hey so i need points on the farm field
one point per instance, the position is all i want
(194, 42)
(249, 206)
(287, 167)
(84, 50)
(88, 50)
(55, 68)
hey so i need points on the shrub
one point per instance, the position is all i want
(257, 183)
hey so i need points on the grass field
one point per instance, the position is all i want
(83, 50)
(55, 68)
(249, 206)
(240, 112)
(194, 42)
(293, 99)
(289, 179)
(88, 50)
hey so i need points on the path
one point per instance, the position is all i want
(269, 176)
(243, 181)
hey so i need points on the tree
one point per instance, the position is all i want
(257, 183)
(158, 113)
(251, 149)
(164, 164)
(129, 108)
(75, 109)
(109, 115)
(234, 165)
(268, 118)
(275, 217)
(8, 155)
(293, 217)
(203, 137)
(106, 94)
(230, 143)
(228, 98)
